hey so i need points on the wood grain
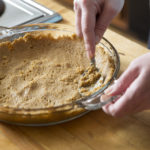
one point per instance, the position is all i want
(95, 130)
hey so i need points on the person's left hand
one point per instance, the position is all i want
(134, 84)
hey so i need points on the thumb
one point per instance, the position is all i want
(123, 82)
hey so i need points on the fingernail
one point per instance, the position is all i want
(97, 39)
(104, 98)
(90, 54)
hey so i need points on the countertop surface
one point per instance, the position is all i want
(94, 131)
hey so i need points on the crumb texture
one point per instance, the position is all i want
(39, 71)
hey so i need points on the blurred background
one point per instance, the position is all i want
(133, 20)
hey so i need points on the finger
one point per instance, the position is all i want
(128, 103)
(103, 98)
(78, 18)
(124, 81)
(143, 93)
(105, 108)
(88, 25)
(110, 10)
(104, 20)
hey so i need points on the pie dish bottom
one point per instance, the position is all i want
(39, 73)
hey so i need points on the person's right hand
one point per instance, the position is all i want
(92, 19)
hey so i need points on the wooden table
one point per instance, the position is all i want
(94, 131)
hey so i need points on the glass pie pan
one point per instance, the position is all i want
(57, 114)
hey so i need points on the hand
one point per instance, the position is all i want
(134, 84)
(92, 19)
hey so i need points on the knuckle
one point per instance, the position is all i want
(133, 63)
(112, 9)
(134, 67)
(145, 71)
(112, 111)
(118, 86)
(84, 2)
